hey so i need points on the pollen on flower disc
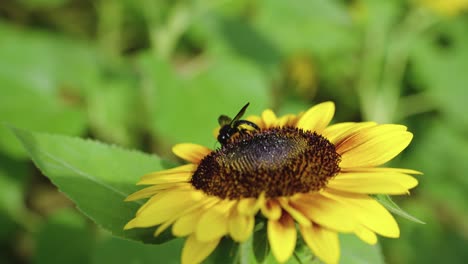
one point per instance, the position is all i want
(276, 161)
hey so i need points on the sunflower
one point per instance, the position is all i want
(295, 172)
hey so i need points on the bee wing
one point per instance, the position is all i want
(224, 120)
(241, 113)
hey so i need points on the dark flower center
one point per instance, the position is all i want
(277, 161)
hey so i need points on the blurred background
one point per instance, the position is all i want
(146, 74)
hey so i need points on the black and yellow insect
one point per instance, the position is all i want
(230, 127)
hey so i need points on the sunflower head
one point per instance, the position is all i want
(297, 172)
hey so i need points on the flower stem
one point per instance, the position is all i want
(245, 248)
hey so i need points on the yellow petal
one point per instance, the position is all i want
(287, 120)
(164, 179)
(161, 196)
(161, 228)
(269, 118)
(381, 169)
(373, 146)
(200, 206)
(296, 214)
(191, 152)
(317, 118)
(195, 251)
(246, 206)
(216, 131)
(166, 206)
(185, 225)
(366, 235)
(326, 212)
(332, 132)
(338, 132)
(250, 206)
(282, 236)
(240, 226)
(324, 243)
(373, 182)
(368, 212)
(271, 209)
(363, 132)
(178, 174)
(152, 190)
(257, 120)
(213, 224)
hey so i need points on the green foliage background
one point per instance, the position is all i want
(146, 74)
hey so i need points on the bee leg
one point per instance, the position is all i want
(246, 122)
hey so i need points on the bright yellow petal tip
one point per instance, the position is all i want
(282, 237)
(191, 152)
(324, 243)
(195, 251)
(317, 118)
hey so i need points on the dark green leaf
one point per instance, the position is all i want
(226, 252)
(13, 176)
(64, 238)
(119, 251)
(97, 177)
(261, 247)
(43, 3)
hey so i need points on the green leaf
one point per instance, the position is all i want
(386, 201)
(13, 177)
(8, 229)
(97, 177)
(444, 183)
(64, 238)
(119, 251)
(354, 251)
(261, 247)
(225, 252)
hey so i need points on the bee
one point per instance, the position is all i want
(230, 127)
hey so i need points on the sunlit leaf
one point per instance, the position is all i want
(386, 201)
(97, 177)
